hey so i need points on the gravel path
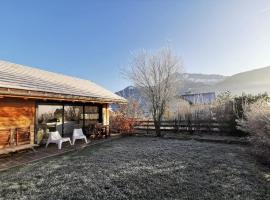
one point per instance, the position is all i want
(142, 168)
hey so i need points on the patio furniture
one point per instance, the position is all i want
(100, 131)
(78, 134)
(89, 130)
(55, 137)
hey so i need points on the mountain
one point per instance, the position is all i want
(204, 78)
(131, 92)
(250, 82)
(196, 82)
(187, 83)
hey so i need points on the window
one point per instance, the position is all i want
(72, 119)
(92, 114)
(50, 118)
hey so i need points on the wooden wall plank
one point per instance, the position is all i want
(16, 113)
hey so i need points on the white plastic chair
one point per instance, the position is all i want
(55, 137)
(78, 134)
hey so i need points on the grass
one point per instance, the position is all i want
(142, 168)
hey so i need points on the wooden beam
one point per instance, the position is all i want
(16, 93)
(63, 119)
(84, 117)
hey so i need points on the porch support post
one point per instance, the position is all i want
(105, 117)
(36, 122)
(63, 119)
(84, 117)
(105, 114)
(100, 114)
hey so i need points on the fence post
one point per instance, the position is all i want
(147, 127)
(189, 126)
(179, 124)
(175, 125)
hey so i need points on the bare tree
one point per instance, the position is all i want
(132, 109)
(155, 74)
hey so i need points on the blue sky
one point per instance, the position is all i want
(94, 39)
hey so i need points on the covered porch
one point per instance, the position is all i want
(26, 123)
(64, 117)
(35, 103)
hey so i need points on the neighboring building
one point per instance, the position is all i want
(33, 99)
(200, 98)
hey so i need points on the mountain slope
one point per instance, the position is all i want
(186, 82)
(250, 82)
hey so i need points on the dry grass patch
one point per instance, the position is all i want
(142, 168)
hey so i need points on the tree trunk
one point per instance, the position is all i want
(157, 128)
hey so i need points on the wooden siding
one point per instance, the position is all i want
(16, 114)
(5, 139)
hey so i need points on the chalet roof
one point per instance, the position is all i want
(15, 76)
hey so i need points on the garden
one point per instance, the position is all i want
(142, 168)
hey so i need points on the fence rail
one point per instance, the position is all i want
(185, 126)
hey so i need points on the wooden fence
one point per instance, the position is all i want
(200, 126)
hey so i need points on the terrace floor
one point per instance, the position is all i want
(142, 168)
(23, 157)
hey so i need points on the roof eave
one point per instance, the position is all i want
(31, 94)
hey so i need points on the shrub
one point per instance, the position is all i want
(230, 109)
(241, 102)
(125, 118)
(223, 111)
(223, 108)
(256, 122)
(122, 124)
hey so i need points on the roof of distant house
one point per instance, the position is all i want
(200, 98)
(15, 76)
(198, 94)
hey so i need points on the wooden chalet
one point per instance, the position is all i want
(34, 101)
